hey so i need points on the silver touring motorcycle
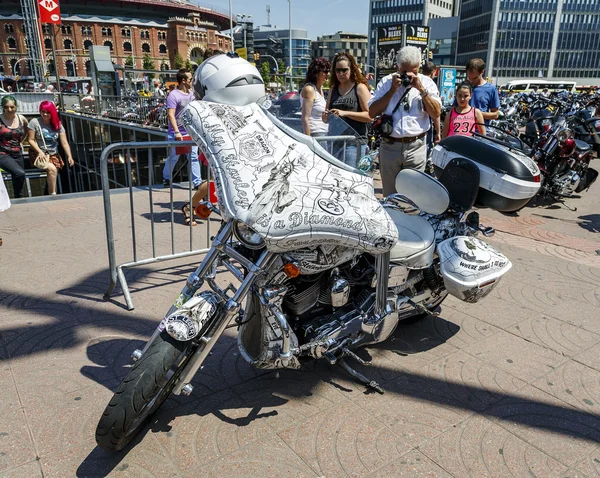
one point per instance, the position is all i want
(318, 265)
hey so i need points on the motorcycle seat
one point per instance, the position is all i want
(416, 240)
(582, 146)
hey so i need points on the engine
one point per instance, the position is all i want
(566, 183)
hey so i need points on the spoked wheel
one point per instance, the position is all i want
(144, 389)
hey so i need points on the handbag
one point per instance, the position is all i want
(41, 163)
(383, 125)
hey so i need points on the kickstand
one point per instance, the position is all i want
(360, 377)
(562, 201)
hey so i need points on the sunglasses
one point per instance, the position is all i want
(342, 70)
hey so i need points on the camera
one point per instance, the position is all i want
(405, 79)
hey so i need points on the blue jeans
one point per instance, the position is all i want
(350, 153)
(172, 160)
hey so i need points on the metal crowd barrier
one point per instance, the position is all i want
(141, 110)
(116, 271)
(117, 274)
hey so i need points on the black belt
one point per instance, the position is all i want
(406, 139)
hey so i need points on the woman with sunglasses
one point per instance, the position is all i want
(12, 133)
(312, 100)
(348, 99)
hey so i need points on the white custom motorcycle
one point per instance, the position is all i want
(319, 266)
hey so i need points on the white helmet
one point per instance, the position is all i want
(228, 79)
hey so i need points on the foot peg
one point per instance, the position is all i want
(422, 309)
(360, 377)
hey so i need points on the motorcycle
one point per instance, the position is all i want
(319, 266)
(563, 161)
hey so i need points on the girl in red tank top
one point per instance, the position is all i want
(463, 118)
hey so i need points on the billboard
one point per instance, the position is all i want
(447, 82)
(389, 41)
(419, 37)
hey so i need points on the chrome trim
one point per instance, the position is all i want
(382, 267)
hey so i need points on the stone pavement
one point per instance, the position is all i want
(506, 387)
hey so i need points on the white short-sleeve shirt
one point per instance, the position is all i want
(416, 120)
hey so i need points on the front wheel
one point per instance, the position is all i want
(144, 389)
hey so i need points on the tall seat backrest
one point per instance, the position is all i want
(425, 191)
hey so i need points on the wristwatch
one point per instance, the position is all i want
(424, 94)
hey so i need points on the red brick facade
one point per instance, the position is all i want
(72, 39)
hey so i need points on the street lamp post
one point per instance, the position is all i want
(243, 16)
(291, 67)
(231, 27)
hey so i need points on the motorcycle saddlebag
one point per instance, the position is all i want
(508, 179)
(471, 269)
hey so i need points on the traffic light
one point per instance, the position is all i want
(256, 56)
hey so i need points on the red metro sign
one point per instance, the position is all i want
(49, 11)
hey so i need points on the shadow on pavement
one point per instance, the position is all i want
(590, 222)
(263, 393)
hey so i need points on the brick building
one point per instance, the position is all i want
(131, 28)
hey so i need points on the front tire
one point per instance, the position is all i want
(144, 389)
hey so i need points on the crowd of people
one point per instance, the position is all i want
(408, 100)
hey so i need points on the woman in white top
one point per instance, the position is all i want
(312, 99)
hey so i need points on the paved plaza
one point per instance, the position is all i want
(506, 387)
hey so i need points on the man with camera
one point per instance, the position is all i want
(407, 100)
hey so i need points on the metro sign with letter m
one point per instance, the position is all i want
(49, 11)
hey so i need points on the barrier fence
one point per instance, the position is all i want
(145, 185)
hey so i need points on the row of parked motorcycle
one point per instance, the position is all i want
(147, 111)
(560, 133)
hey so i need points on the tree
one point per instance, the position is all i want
(148, 62)
(129, 61)
(188, 65)
(178, 61)
(265, 72)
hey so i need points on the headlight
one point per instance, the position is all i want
(564, 134)
(247, 236)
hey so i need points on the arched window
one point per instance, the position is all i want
(68, 44)
(47, 44)
(87, 44)
(1, 67)
(86, 30)
(125, 32)
(51, 67)
(146, 48)
(106, 32)
(9, 28)
(127, 47)
(164, 66)
(109, 45)
(15, 67)
(70, 67)
(12, 43)
(162, 49)
(88, 68)
(66, 29)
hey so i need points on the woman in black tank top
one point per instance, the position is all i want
(348, 99)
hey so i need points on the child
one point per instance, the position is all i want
(463, 117)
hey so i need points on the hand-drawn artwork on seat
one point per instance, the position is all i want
(231, 117)
(282, 184)
(256, 147)
(275, 195)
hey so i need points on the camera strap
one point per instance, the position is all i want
(402, 98)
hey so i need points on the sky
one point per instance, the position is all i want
(318, 17)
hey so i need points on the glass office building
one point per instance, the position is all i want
(536, 38)
(278, 43)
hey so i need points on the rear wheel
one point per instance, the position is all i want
(142, 392)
